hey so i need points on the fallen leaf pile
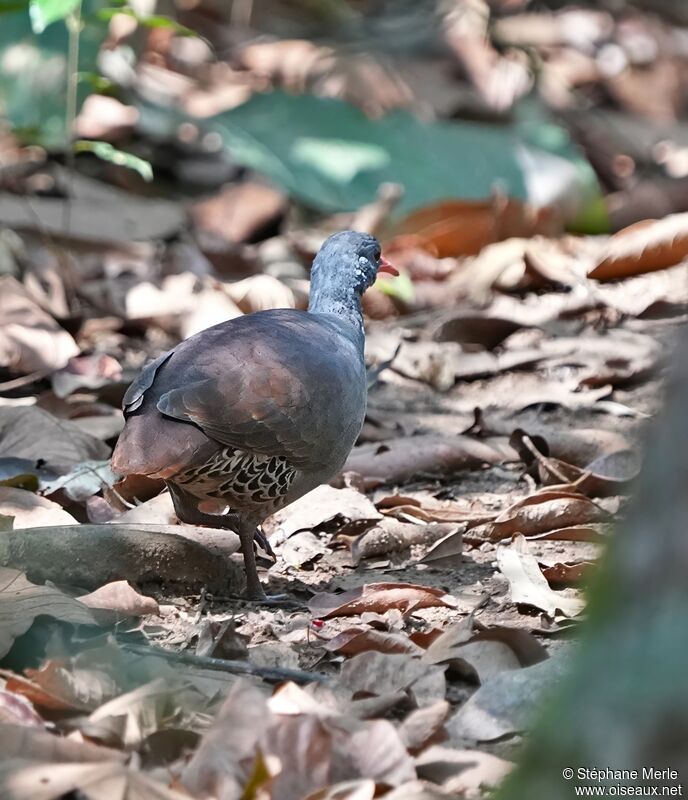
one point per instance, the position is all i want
(434, 589)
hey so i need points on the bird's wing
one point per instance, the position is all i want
(279, 390)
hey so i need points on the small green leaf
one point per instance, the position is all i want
(400, 288)
(45, 12)
(106, 152)
(146, 20)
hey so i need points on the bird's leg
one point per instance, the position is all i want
(186, 508)
(254, 588)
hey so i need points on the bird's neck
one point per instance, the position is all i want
(342, 302)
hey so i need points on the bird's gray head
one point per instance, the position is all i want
(348, 260)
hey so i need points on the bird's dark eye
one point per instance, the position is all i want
(377, 253)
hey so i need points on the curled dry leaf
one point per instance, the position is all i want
(120, 598)
(31, 511)
(529, 586)
(647, 246)
(22, 601)
(30, 339)
(379, 597)
(540, 513)
(398, 460)
(608, 474)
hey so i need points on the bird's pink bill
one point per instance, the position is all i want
(386, 267)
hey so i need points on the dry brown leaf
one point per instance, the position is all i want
(359, 640)
(398, 460)
(86, 372)
(423, 726)
(18, 710)
(121, 598)
(441, 364)
(259, 292)
(473, 332)
(506, 703)
(41, 746)
(302, 548)
(379, 597)
(446, 552)
(464, 227)
(30, 339)
(647, 246)
(392, 536)
(223, 761)
(380, 674)
(485, 653)
(28, 780)
(348, 790)
(34, 434)
(239, 213)
(60, 687)
(606, 475)
(467, 773)
(566, 573)
(543, 512)
(596, 532)
(529, 586)
(22, 601)
(318, 507)
(31, 511)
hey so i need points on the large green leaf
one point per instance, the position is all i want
(331, 156)
(33, 74)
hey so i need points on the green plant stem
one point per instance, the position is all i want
(73, 23)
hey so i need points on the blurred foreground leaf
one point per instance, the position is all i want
(33, 73)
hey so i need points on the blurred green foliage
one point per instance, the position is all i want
(332, 157)
(33, 70)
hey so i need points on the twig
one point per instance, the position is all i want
(541, 459)
(272, 674)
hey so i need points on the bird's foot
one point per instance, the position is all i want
(262, 541)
